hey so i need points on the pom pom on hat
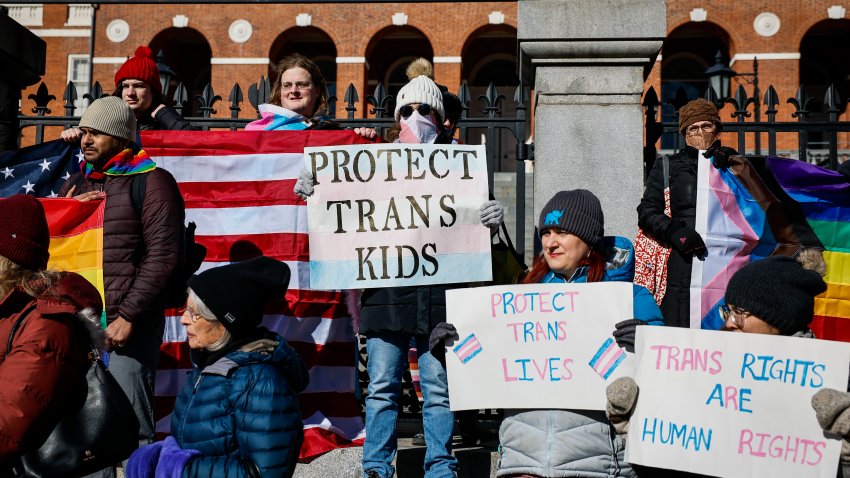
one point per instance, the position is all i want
(140, 67)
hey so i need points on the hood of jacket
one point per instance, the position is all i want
(271, 349)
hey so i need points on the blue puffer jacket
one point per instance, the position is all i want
(242, 414)
(574, 443)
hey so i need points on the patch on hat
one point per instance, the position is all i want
(553, 218)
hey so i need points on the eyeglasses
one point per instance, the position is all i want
(736, 314)
(696, 128)
(407, 110)
(192, 315)
(299, 85)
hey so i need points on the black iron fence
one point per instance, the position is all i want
(813, 118)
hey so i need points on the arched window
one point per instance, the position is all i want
(824, 61)
(313, 43)
(188, 53)
(388, 54)
(688, 51)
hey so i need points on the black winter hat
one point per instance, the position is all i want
(237, 293)
(578, 212)
(777, 290)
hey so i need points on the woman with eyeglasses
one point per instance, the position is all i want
(299, 100)
(700, 123)
(772, 296)
(237, 414)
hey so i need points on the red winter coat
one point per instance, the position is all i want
(45, 369)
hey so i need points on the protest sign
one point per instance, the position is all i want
(536, 345)
(385, 215)
(733, 404)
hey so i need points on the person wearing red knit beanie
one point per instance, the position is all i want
(137, 83)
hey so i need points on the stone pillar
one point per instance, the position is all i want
(23, 56)
(587, 61)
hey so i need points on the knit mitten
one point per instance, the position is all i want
(492, 214)
(442, 333)
(832, 409)
(304, 184)
(624, 333)
(622, 396)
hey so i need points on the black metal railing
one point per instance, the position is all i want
(812, 117)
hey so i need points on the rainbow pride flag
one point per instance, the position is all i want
(76, 239)
(824, 198)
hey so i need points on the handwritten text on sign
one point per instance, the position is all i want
(397, 214)
(733, 404)
(537, 345)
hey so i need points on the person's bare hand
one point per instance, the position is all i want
(85, 197)
(118, 333)
(366, 133)
(72, 135)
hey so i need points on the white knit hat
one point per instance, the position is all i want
(112, 116)
(420, 90)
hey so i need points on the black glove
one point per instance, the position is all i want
(624, 333)
(443, 334)
(720, 154)
(686, 241)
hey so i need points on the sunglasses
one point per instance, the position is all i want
(407, 110)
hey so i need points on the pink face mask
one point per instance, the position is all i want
(417, 129)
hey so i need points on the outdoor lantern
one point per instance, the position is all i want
(166, 74)
(719, 76)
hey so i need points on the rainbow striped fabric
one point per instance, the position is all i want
(76, 238)
(824, 198)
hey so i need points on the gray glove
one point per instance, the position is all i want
(492, 214)
(304, 186)
(622, 396)
(443, 334)
(833, 412)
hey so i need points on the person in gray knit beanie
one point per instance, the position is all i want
(578, 212)
(112, 116)
(421, 90)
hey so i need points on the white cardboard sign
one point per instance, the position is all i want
(733, 404)
(536, 345)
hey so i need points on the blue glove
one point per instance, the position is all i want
(173, 459)
(143, 461)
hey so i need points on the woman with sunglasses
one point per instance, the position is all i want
(299, 100)
(699, 123)
(772, 296)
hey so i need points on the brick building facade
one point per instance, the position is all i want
(796, 42)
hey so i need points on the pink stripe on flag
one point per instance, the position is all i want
(608, 366)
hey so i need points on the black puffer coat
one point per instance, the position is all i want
(683, 197)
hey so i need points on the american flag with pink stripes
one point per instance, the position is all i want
(238, 190)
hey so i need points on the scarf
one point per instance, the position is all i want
(124, 163)
(277, 118)
(418, 129)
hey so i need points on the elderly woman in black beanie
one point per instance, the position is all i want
(238, 414)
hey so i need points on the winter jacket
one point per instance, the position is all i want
(140, 255)
(241, 412)
(44, 372)
(653, 222)
(574, 443)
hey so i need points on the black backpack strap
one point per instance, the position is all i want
(16, 326)
(665, 163)
(137, 195)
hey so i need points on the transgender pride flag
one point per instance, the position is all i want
(743, 214)
(607, 358)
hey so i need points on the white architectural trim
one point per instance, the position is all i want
(698, 15)
(79, 14)
(448, 59)
(61, 32)
(239, 61)
(303, 20)
(399, 19)
(109, 60)
(27, 15)
(118, 30)
(351, 59)
(767, 24)
(496, 17)
(836, 12)
(764, 56)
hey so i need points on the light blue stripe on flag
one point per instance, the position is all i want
(600, 352)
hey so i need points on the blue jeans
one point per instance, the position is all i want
(387, 352)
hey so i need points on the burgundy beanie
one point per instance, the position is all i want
(140, 67)
(24, 237)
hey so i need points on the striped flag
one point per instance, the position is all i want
(468, 348)
(76, 239)
(606, 360)
(238, 190)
